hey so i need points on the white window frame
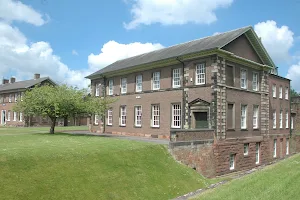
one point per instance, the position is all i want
(231, 161)
(15, 116)
(243, 79)
(22, 93)
(292, 122)
(16, 97)
(123, 116)
(176, 83)
(246, 149)
(280, 119)
(287, 151)
(286, 93)
(20, 117)
(176, 115)
(286, 119)
(9, 98)
(110, 87)
(244, 116)
(275, 148)
(155, 115)
(200, 74)
(255, 116)
(109, 117)
(96, 119)
(274, 90)
(138, 116)
(274, 120)
(156, 81)
(139, 83)
(255, 82)
(8, 115)
(97, 90)
(280, 92)
(123, 85)
(257, 151)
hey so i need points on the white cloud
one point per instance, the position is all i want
(74, 52)
(277, 40)
(169, 12)
(113, 51)
(11, 10)
(294, 75)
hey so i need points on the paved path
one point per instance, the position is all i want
(135, 138)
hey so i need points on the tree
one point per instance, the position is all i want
(55, 102)
(294, 93)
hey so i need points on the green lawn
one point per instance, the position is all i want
(276, 182)
(26, 130)
(60, 166)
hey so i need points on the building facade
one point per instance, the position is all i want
(217, 99)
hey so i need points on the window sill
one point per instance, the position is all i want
(108, 124)
(231, 129)
(246, 155)
(122, 125)
(155, 127)
(244, 129)
(137, 126)
(255, 129)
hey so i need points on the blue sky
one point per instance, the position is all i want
(69, 39)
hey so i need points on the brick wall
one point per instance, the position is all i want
(197, 155)
(190, 135)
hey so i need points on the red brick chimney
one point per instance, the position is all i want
(37, 76)
(5, 81)
(12, 79)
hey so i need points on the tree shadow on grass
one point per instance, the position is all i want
(71, 135)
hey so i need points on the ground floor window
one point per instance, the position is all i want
(15, 116)
(8, 115)
(246, 149)
(231, 161)
(96, 120)
(123, 116)
(138, 116)
(275, 148)
(257, 147)
(287, 146)
(109, 117)
(176, 116)
(20, 116)
(155, 109)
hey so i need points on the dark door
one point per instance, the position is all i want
(201, 119)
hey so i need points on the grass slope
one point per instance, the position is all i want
(276, 182)
(44, 166)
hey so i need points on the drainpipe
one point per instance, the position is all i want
(183, 95)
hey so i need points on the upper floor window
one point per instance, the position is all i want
(274, 119)
(286, 93)
(255, 117)
(138, 83)
(243, 116)
(243, 78)
(176, 78)
(109, 117)
(9, 98)
(280, 92)
(16, 97)
(138, 116)
(200, 74)
(176, 116)
(123, 85)
(156, 81)
(123, 116)
(274, 90)
(155, 115)
(286, 119)
(111, 87)
(255, 84)
(280, 119)
(97, 92)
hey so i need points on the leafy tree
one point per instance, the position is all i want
(294, 93)
(56, 102)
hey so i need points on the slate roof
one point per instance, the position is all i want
(22, 84)
(211, 42)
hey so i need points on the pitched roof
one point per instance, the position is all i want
(23, 84)
(206, 43)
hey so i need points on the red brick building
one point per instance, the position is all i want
(218, 99)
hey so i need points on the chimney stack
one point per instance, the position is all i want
(12, 79)
(37, 76)
(5, 81)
